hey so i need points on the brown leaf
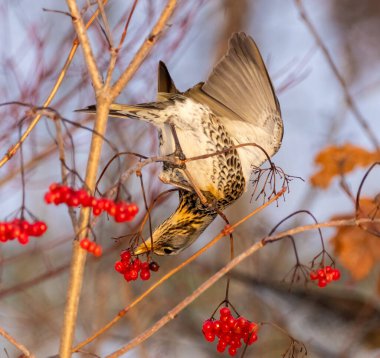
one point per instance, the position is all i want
(337, 160)
(357, 249)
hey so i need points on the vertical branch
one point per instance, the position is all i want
(104, 97)
(85, 42)
(79, 255)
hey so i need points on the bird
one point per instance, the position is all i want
(236, 105)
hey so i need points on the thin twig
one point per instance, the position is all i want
(18, 345)
(89, 57)
(144, 49)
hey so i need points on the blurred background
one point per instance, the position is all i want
(342, 320)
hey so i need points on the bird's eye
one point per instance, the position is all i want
(168, 250)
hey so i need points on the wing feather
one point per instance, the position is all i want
(241, 82)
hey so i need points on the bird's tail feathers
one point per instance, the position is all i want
(116, 110)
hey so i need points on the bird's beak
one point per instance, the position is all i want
(143, 247)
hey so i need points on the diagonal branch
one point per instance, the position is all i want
(213, 279)
(347, 96)
(18, 345)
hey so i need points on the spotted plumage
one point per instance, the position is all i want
(236, 105)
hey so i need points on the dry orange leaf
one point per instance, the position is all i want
(357, 249)
(337, 160)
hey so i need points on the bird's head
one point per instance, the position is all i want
(177, 232)
(169, 239)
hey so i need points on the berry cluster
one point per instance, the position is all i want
(91, 246)
(131, 268)
(325, 275)
(230, 331)
(21, 230)
(59, 194)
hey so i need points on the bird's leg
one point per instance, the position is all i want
(178, 152)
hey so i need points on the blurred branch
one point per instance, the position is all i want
(348, 98)
(236, 15)
(18, 345)
(12, 151)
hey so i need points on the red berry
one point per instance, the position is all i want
(252, 338)
(23, 238)
(216, 326)
(322, 282)
(252, 327)
(125, 255)
(85, 243)
(313, 275)
(225, 312)
(227, 338)
(127, 276)
(96, 211)
(221, 347)
(24, 225)
(120, 266)
(38, 228)
(210, 336)
(112, 210)
(321, 273)
(82, 196)
(91, 247)
(224, 327)
(207, 326)
(232, 351)
(145, 275)
(336, 274)
(145, 265)
(134, 274)
(136, 264)
(120, 217)
(231, 321)
(73, 201)
(98, 251)
(16, 231)
(242, 322)
(328, 269)
(153, 266)
(54, 186)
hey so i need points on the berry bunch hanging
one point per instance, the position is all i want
(91, 246)
(325, 275)
(230, 331)
(62, 194)
(131, 268)
(21, 230)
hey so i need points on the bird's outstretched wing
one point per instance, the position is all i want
(241, 82)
